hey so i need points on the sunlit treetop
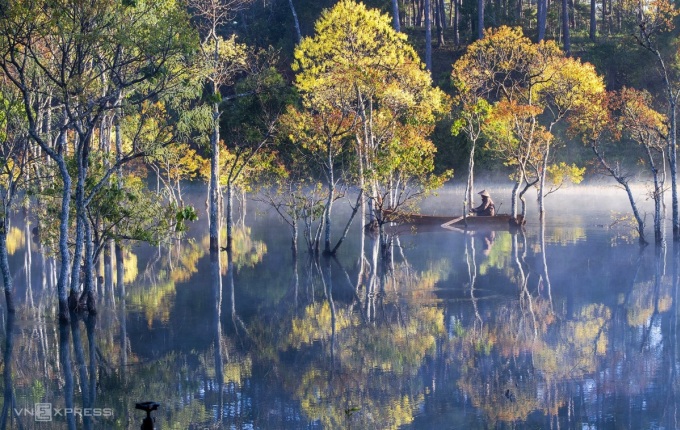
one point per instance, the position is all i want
(353, 45)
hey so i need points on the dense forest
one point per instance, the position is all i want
(108, 107)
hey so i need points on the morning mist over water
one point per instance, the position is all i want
(574, 326)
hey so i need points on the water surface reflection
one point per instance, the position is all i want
(558, 326)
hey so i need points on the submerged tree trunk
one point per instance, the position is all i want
(329, 201)
(8, 391)
(120, 283)
(672, 162)
(624, 182)
(82, 370)
(214, 187)
(469, 187)
(64, 254)
(216, 283)
(541, 187)
(230, 215)
(657, 194)
(88, 285)
(4, 266)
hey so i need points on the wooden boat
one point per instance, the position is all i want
(470, 222)
(496, 222)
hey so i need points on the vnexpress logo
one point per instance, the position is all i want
(43, 412)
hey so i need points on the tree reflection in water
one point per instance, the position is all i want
(436, 330)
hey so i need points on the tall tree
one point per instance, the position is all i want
(223, 59)
(361, 70)
(653, 20)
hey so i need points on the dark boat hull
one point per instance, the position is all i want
(496, 222)
(472, 222)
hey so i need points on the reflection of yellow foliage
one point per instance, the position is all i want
(345, 401)
(316, 325)
(577, 348)
(497, 407)
(187, 262)
(421, 285)
(155, 301)
(15, 240)
(246, 251)
(399, 347)
(499, 254)
(130, 267)
(566, 236)
(236, 372)
(644, 300)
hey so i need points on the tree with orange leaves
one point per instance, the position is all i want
(655, 18)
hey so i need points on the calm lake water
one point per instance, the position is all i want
(569, 326)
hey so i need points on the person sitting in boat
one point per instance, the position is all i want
(487, 208)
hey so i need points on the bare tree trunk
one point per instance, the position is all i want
(395, 15)
(456, 22)
(480, 19)
(565, 27)
(624, 182)
(542, 6)
(544, 172)
(593, 20)
(438, 21)
(469, 188)
(329, 201)
(230, 215)
(4, 266)
(428, 37)
(89, 270)
(64, 253)
(298, 33)
(214, 187)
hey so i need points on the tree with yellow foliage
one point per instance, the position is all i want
(532, 86)
(362, 83)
